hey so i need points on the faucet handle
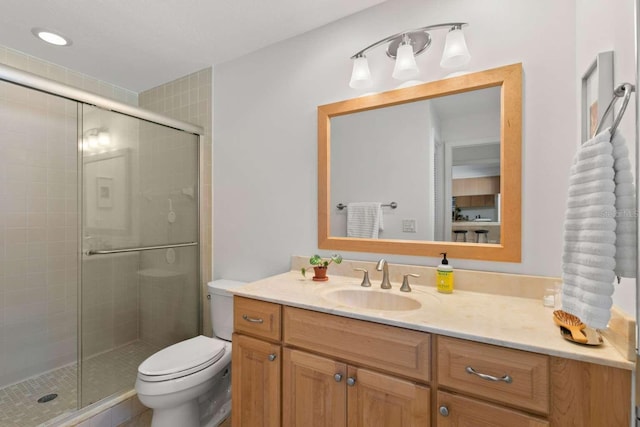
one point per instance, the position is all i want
(365, 280)
(405, 282)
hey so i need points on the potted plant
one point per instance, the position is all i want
(320, 266)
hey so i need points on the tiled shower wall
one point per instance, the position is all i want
(38, 219)
(190, 99)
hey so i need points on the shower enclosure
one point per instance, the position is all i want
(99, 256)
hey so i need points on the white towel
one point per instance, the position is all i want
(364, 219)
(588, 252)
(626, 240)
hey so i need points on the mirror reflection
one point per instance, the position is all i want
(425, 169)
(436, 160)
(107, 196)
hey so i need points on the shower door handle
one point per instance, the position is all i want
(139, 249)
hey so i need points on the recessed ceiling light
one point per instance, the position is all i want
(51, 37)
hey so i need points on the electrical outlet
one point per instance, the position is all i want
(408, 225)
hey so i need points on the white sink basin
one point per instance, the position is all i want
(372, 299)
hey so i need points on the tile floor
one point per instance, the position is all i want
(104, 375)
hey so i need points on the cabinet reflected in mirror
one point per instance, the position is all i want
(447, 152)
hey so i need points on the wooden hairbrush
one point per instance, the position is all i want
(572, 323)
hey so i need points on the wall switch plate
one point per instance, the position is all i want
(408, 225)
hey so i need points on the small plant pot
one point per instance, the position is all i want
(320, 274)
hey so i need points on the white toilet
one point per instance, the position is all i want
(189, 383)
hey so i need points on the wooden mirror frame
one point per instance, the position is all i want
(509, 78)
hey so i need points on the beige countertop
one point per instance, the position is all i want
(509, 321)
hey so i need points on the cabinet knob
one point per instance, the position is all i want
(444, 411)
(272, 357)
(351, 381)
(337, 377)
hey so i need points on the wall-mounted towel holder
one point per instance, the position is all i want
(624, 90)
(391, 205)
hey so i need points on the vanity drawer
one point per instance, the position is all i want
(456, 410)
(513, 377)
(257, 318)
(363, 343)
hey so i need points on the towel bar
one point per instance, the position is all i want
(391, 205)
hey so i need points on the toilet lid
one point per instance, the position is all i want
(181, 359)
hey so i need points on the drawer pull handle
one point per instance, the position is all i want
(444, 411)
(272, 357)
(506, 378)
(337, 377)
(252, 319)
(351, 381)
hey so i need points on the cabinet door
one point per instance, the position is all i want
(255, 394)
(377, 400)
(458, 411)
(477, 201)
(463, 201)
(314, 392)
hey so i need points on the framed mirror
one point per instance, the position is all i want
(437, 158)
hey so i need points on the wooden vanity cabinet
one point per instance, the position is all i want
(346, 372)
(482, 384)
(319, 391)
(295, 367)
(256, 364)
(314, 390)
(255, 375)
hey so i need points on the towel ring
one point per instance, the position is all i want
(624, 90)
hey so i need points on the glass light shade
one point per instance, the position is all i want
(92, 142)
(104, 138)
(361, 76)
(455, 53)
(406, 66)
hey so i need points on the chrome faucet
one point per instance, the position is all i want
(384, 267)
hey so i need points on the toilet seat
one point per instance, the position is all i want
(182, 359)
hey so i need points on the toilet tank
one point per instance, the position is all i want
(221, 306)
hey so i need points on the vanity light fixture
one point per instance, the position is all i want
(403, 47)
(96, 140)
(51, 37)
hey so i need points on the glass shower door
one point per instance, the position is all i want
(140, 263)
(39, 265)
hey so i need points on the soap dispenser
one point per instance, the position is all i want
(444, 276)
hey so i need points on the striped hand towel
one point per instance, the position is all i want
(364, 219)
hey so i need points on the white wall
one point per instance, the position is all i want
(265, 183)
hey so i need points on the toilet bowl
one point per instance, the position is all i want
(188, 384)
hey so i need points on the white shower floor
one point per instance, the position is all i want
(104, 374)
